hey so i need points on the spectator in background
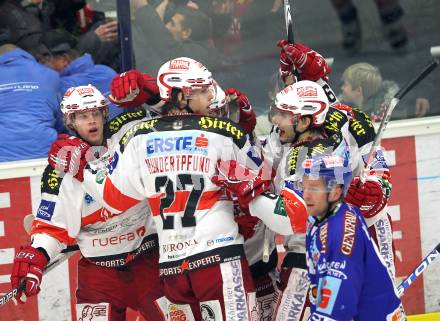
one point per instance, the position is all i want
(390, 13)
(96, 33)
(363, 87)
(187, 33)
(76, 69)
(30, 116)
(24, 28)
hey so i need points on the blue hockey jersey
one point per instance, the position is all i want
(349, 281)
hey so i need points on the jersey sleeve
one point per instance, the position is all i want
(117, 190)
(58, 218)
(284, 214)
(340, 268)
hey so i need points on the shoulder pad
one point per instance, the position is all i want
(334, 121)
(116, 123)
(361, 127)
(51, 181)
(307, 149)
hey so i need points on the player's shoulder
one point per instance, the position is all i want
(54, 181)
(304, 150)
(337, 117)
(51, 181)
(346, 225)
(117, 123)
(361, 127)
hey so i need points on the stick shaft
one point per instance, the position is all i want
(419, 270)
(64, 255)
(402, 92)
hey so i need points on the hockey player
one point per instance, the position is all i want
(300, 112)
(170, 161)
(130, 89)
(356, 127)
(119, 264)
(349, 280)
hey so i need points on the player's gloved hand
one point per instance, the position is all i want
(240, 181)
(132, 89)
(68, 155)
(371, 197)
(247, 224)
(29, 264)
(311, 65)
(248, 119)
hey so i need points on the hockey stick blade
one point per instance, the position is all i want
(419, 270)
(64, 255)
(389, 110)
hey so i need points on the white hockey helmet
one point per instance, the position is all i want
(182, 73)
(303, 98)
(80, 99)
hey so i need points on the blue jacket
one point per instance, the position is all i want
(348, 279)
(82, 71)
(30, 116)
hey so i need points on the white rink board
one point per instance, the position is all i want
(428, 173)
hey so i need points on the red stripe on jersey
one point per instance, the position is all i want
(296, 210)
(100, 215)
(117, 200)
(56, 232)
(206, 201)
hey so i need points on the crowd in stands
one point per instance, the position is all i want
(47, 46)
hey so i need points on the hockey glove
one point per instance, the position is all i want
(29, 264)
(247, 224)
(132, 89)
(311, 65)
(248, 119)
(68, 155)
(240, 181)
(371, 197)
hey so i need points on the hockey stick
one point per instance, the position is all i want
(125, 39)
(64, 255)
(419, 270)
(288, 20)
(290, 39)
(396, 99)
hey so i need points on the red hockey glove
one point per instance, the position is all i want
(371, 197)
(28, 267)
(247, 224)
(248, 119)
(132, 88)
(240, 181)
(68, 155)
(311, 65)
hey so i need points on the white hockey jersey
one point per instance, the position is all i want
(67, 215)
(170, 162)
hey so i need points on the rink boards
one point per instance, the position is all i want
(412, 150)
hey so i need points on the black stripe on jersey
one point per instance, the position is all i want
(307, 149)
(116, 123)
(361, 127)
(51, 181)
(221, 126)
(334, 121)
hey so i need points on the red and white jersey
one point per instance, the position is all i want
(170, 162)
(67, 215)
